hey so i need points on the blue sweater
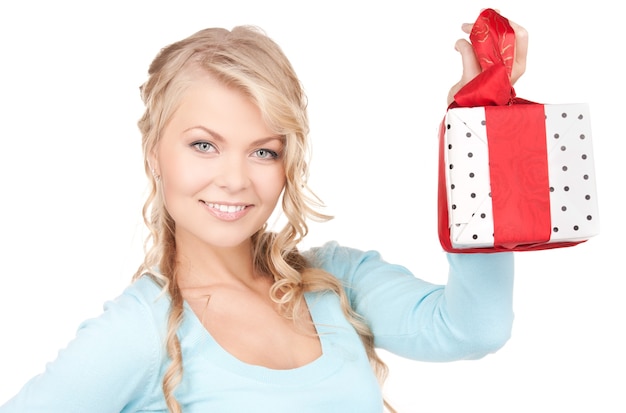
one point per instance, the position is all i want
(117, 360)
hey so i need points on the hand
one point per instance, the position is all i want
(471, 67)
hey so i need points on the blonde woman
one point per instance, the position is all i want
(225, 316)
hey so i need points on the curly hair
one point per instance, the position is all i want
(246, 59)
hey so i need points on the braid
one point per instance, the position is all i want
(174, 373)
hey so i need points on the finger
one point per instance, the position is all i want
(453, 91)
(521, 51)
(471, 66)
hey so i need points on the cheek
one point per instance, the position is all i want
(272, 182)
(181, 175)
(280, 180)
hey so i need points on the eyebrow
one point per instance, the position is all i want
(220, 138)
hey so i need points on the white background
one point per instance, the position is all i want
(377, 74)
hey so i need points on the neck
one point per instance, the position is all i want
(201, 265)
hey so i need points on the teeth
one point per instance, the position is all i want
(227, 208)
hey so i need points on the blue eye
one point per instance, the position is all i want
(203, 146)
(266, 154)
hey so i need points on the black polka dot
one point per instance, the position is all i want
(453, 206)
(551, 189)
(556, 136)
(564, 168)
(580, 116)
(482, 122)
(582, 136)
(564, 115)
(587, 197)
(566, 188)
(589, 218)
(483, 215)
(473, 195)
(469, 155)
(471, 174)
(450, 146)
(475, 236)
(452, 186)
(563, 208)
(555, 229)
(448, 126)
(563, 148)
(584, 156)
(451, 166)
(468, 134)
(575, 227)
(585, 177)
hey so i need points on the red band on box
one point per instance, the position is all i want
(518, 165)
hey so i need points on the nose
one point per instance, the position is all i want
(233, 174)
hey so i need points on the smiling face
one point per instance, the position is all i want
(221, 168)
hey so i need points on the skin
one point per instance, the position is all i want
(471, 67)
(221, 175)
(217, 150)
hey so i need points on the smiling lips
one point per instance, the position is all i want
(226, 212)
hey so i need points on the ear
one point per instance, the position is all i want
(153, 164)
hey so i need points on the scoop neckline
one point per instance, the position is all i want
(324, 365)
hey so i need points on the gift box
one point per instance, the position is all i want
(519, 175)
(514, 175)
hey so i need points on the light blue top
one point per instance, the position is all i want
(117, 360)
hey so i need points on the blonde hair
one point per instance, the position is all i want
(248, 60)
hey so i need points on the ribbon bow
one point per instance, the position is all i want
(493, 40)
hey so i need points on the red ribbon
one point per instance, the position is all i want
(518, 170)
(493, 40)
(517, 146)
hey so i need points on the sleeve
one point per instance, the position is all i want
(107, 367)
(468, 318)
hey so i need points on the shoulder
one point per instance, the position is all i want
(342, 261)
(143, 294)
(132, 323)
(112, 363)
(142, 307)
(126, 338)
(329, 256)
(122, 349)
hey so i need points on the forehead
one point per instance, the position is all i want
(205, 102)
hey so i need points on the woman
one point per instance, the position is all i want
(224, 315)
